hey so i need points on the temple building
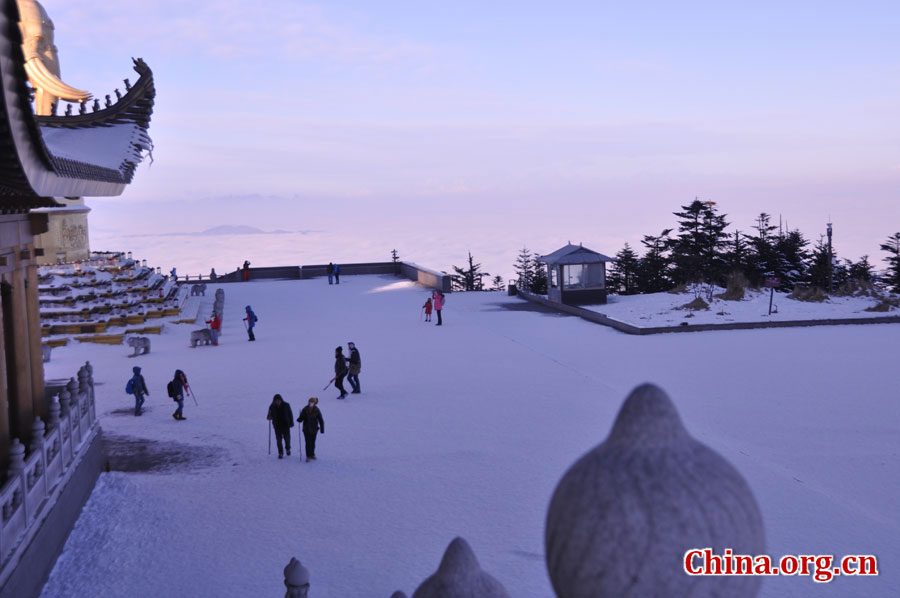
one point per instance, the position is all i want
(47, 152)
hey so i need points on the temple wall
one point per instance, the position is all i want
(67, 239)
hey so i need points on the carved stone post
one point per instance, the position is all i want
(624, 516)
(460, 576)
(16, 458)
(37, 434)
(65, 400)
(72, 387)
(53, 413)
(296, 580)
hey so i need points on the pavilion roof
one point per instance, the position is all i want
(574, 254)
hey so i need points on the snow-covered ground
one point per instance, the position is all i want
(663, 309)
(462, 430)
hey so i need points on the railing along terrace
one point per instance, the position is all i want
(34, 480)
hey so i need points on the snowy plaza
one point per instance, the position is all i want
(462, 430)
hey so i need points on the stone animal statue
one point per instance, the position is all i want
(200, 337)
(140, 344)
(198, 289)
(42, 60)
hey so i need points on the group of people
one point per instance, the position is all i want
(176, 388)
(334, 273)
(348, 367)
(215, 325)
(436, 302)
(282, 420)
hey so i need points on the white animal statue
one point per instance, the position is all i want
(141, 345)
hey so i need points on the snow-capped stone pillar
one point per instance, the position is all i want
(53, 413)
(37, 434)
(296, 580)
(624, 516)
(16, 458)
(460, 576)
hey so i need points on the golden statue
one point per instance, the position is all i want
(42, 61)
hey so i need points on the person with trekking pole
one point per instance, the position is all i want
(340, 370)
(176, 389)
(251, 322)
(282, 419)
(312, 421)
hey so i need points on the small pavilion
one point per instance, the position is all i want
(576, 275)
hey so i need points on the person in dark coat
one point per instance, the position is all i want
(355, 367)
(330, 273)
(139, 388)
(246, 270)
(337, 274)
(312, 421)
(179, 386)
(282, 419)
(340, 370)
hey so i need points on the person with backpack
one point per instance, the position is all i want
(282, 419)
(312, 421)
(355, 367)
(427, 308)
(330, 273)
(138, 387)
(176, 389)
(340, 370)
(215, 325)
(337, 274)
(438, 297)
(251, 322)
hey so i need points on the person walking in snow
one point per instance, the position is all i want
(138, 387)
(282, 419)
(312, 421)
(251, 322)
(438, 298)
(340, 370)
(355, 368)
(427, 308)
(330, 273)
(177, 386)
(337, 274)
(215, 325)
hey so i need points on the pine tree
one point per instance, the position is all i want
(469, 279)
(498, 284)
(819, 270)
(763, 258)
(737, 255)
(861, 270)
(525, 268)
(892, 275)
(622, 278)
(791, 258)
(653, 273)
(696, 255)
(539, 282)
(395, 256)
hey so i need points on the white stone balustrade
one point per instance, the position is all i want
(33, 481)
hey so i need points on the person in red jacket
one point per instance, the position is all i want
(438, 297)
(427, 307)
(215, 325)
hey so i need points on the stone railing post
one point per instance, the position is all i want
(72, 387)
(37, 434)
(296, 580)
(460, 576)
(16, 458)
(53, 413)
(64, 401)
(625, 515)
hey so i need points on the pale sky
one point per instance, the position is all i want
(498, 124)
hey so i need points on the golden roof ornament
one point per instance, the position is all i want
(42, 60)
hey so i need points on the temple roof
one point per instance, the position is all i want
(83, 153)
(574, 254)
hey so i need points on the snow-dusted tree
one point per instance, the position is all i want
(892, 275)
(469, 279)
(653, 273)
(861, 270)
(539, 282)
(525, 267)
(820, 267)
(736, 253)
(763, 258)
(622, 278)
(497, 283)
(696, 251)
(791, 258)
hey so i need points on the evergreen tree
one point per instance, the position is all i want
(737, 254)
(892, 275)
(861, 270)
(653, 273)
(539, 282)
(622, 278)
(498, 284)
(395, 256)
(696, 255)
(525, 267)
(763, 258)
(820, 267)
(791, 258)
(469, 279)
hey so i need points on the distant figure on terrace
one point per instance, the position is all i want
(337, 274)
(215, 325)
(355, 363)
(246, 268)
(427, 308)
(212, 274)
(340, 370)
(438, 298)
(282, 419)
(251, 322)
(330, 273)
(173, 274)
(312, 421)
(138, 387)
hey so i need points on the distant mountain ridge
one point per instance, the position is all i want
(240, 229)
